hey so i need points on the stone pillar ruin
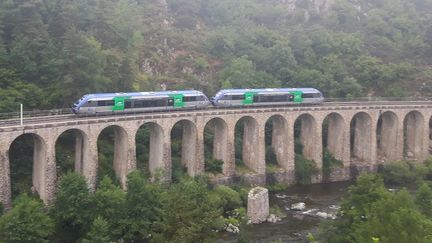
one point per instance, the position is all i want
(258, 205)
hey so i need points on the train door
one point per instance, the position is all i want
(248, 98)
(178, 100)
(297, 96)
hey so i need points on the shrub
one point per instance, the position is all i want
(228, 198)
(304, 169)
(330, 162)
(214, 166)
(399, 173)
(270, 156)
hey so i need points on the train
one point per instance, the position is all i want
(107, 103)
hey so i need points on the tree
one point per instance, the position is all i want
(142, 207)
(394, 219)
(73, 208)
(110, 202)
(187, 214)
(370, 211)
(84, 63)
(99, 232)
(27, 221)
(241, 73)
(424, 200)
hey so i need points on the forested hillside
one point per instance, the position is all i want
(53, 51)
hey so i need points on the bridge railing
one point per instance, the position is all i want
(377, 99)
(35, 113)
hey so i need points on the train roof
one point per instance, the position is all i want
(146, 93)
(223, 91)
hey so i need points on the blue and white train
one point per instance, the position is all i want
(106, 103)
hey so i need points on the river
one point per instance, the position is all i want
(319, 198)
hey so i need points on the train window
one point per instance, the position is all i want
(128, 104)
(280, 98)
(316, 95)
(271, 98)
(137, 103)
(307, 95)
(189, 98)
(105, 103)
(200, 98)
(237, 97)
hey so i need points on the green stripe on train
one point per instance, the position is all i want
(248, 98)
(297, 96)
(119, 103)
(178, 100)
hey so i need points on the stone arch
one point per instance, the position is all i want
(413, 135)
(82, 148)
(250, 143)
(155, 145)
(361, 137)
(386, 136)
(188, 153)
(277, 136)
(334, 135)
(305, 129)
(220, 150)
(39, 160)
(120, 157)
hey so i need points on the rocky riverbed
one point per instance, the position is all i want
(305, 206)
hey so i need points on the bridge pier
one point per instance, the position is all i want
(5, 183)
(280, 142)
(414, 130)
(253, 145)
(90, 162)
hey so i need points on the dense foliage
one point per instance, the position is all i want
(52, 52)
(372, 212)
(187, 211)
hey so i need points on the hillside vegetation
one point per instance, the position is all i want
(52, 52)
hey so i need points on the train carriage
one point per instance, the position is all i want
(106, 103)
(257, 97)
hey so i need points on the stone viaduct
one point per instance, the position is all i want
(359, 135)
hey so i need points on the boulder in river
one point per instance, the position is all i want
(273, 218)
(298, 206)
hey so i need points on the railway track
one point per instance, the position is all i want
(52, 118)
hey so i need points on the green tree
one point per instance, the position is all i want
(394, 219)
(142, 207)
(84, 63)
(187, 214)
(73, 209)
(110, 202)
(27, 221)
(424, 200)
(241, 73)
(99, 232)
